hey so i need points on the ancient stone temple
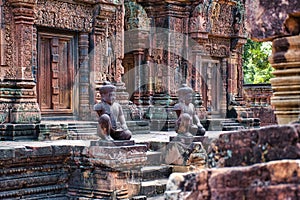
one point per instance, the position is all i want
(55, 54)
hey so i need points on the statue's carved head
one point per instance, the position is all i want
(108, 92)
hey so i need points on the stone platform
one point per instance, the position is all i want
(66, 169)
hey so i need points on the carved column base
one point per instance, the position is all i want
(18, 103)
(19, 110)
(286, 85)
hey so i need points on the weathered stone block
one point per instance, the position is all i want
(105, 169)
(7, 153)
(254, 146)
(272, 180)
(266, 20)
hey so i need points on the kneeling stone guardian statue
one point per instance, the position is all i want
(111, 121)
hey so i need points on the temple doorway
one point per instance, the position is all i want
(212, 87)
(56, 72)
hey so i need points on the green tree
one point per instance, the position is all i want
(257, 68)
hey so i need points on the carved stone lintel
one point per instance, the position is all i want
(64, 15)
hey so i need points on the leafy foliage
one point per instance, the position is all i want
(256, 66)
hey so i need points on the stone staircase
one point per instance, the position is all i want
(53, 128)
(154, 180)
(154, 176)
(231, 125)
(82, 131)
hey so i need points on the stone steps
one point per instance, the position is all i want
(150, 173)
(73, 130)
(138, 127)
(154, 177)
(231, 125)
(153, 188)
(85, 130)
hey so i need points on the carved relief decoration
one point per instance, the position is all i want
(135, 17)
(17, 20)
(109, 43)
(25, 58)
(64, 15)
(119, 43)
(220, 18)
(10, 46)
(218, 47)
(199, 19)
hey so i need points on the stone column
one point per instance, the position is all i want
(138, 56)
(18, 92)
(84, 83)
(18, 99)
(286, 86)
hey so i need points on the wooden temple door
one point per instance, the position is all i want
(55, 77)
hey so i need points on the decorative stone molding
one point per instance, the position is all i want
(18, 19)
(198, 22)
(18, 105)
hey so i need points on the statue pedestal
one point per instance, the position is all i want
(105, 170)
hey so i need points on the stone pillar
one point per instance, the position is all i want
(84, 82)
(224, 91)
(18, 99)
(286, 86)
(138, 56)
